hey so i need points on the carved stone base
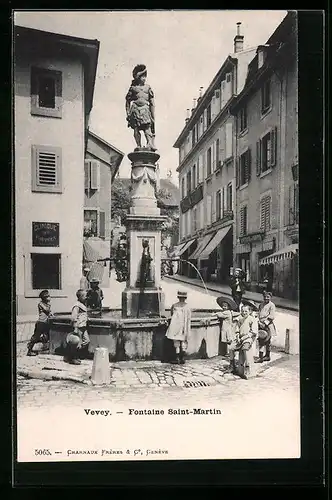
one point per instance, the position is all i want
(138, 304)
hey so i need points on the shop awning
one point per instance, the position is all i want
(186, 246)
(201, 246)
(286, 253)
(176, 250)
(218, 237)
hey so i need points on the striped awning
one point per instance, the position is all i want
(90, 258)
(176, 249)
(186, 246)
(286, 253)
(201, 246)
(218, 237)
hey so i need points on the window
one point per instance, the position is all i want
(218, 205)
(266, 96)
(208, 114)
(46, 92)
(45, 270)
(102, 224)
(91, 222)
(293, 213)
(242, 117)
(208, 162)
(182, 188)
(92, 175)
(46, 169)
(188, 182)
(229, 140)
(229, 197)
(266, 152)
(243, 221)
(208, 210)
(244, 168)
(194, 176)
(265, 209)
(193, 136)
(194, 221)
(218, 162)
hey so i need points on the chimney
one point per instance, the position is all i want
(194, 106)
(188, 115)
(238, 39)
(200, 94)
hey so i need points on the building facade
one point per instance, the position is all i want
(207, 172)
(54, 79)
(266, 150)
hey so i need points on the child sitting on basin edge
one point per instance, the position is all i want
(245, 336)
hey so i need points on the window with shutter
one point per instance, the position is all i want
(208, 209)
(213, 207)
(266, 152)
(182, 188)
(102, 224)
(218, 162)
(194, 176)
(273, 147)
(86, 174)
(243, 221)
(94, 175)
(218, 205)
(208, 163)
(208, 115)
(229, 140)
(224, 200)
(258, 157)
(46, 169)
(229, 196)
(265, 211)
(244, 168)
(266, 97)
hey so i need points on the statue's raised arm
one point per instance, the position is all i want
(140, 108)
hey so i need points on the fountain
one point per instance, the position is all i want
(137, 331)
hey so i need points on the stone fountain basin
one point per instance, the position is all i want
(141, 338)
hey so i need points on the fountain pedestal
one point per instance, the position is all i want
(143, 296)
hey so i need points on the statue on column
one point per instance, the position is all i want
(140, 108)
(145, 270)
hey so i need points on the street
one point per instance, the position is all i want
(54, 415)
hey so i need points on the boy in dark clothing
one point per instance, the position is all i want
(79, 338)
(95, 296)
(42, 326)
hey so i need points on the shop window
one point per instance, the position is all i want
(46, 271)
(46, 169)
(46, 92)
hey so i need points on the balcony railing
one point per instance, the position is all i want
(191, 199)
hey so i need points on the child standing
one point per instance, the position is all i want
(228, 326)
(79, 338)
(42, 326)
(247, 332)
(179, 327)
(266, 316)
(95, 296)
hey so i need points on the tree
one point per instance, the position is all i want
(121, 202)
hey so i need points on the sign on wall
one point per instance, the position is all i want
(45, 234)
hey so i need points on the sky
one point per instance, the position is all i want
(182, 49)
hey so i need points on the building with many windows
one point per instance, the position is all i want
(266, 112)
(207, 171)
(54, 77)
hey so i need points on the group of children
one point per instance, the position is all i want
(239, 329)
(78, 338)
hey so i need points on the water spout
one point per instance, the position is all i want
(193, 266)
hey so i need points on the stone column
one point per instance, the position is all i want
(143, 296)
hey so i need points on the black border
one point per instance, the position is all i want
(306, 471)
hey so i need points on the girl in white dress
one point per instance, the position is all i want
(179, 327)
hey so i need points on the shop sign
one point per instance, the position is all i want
(45, 234)
(253, 237)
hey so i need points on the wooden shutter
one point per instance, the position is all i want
(237, 173)
(242, 221)
(224, 199)
(213, 207)
(86, 174)
(274, 147)
(94, 174)
(229, 139)
(268, 213)
(262, 213)
(46, 169)
(248, 161)
(102, 224)
(258, 157)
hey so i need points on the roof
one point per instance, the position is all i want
(83, 48)
(275, 46)
(114, 165)
(165, 184)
